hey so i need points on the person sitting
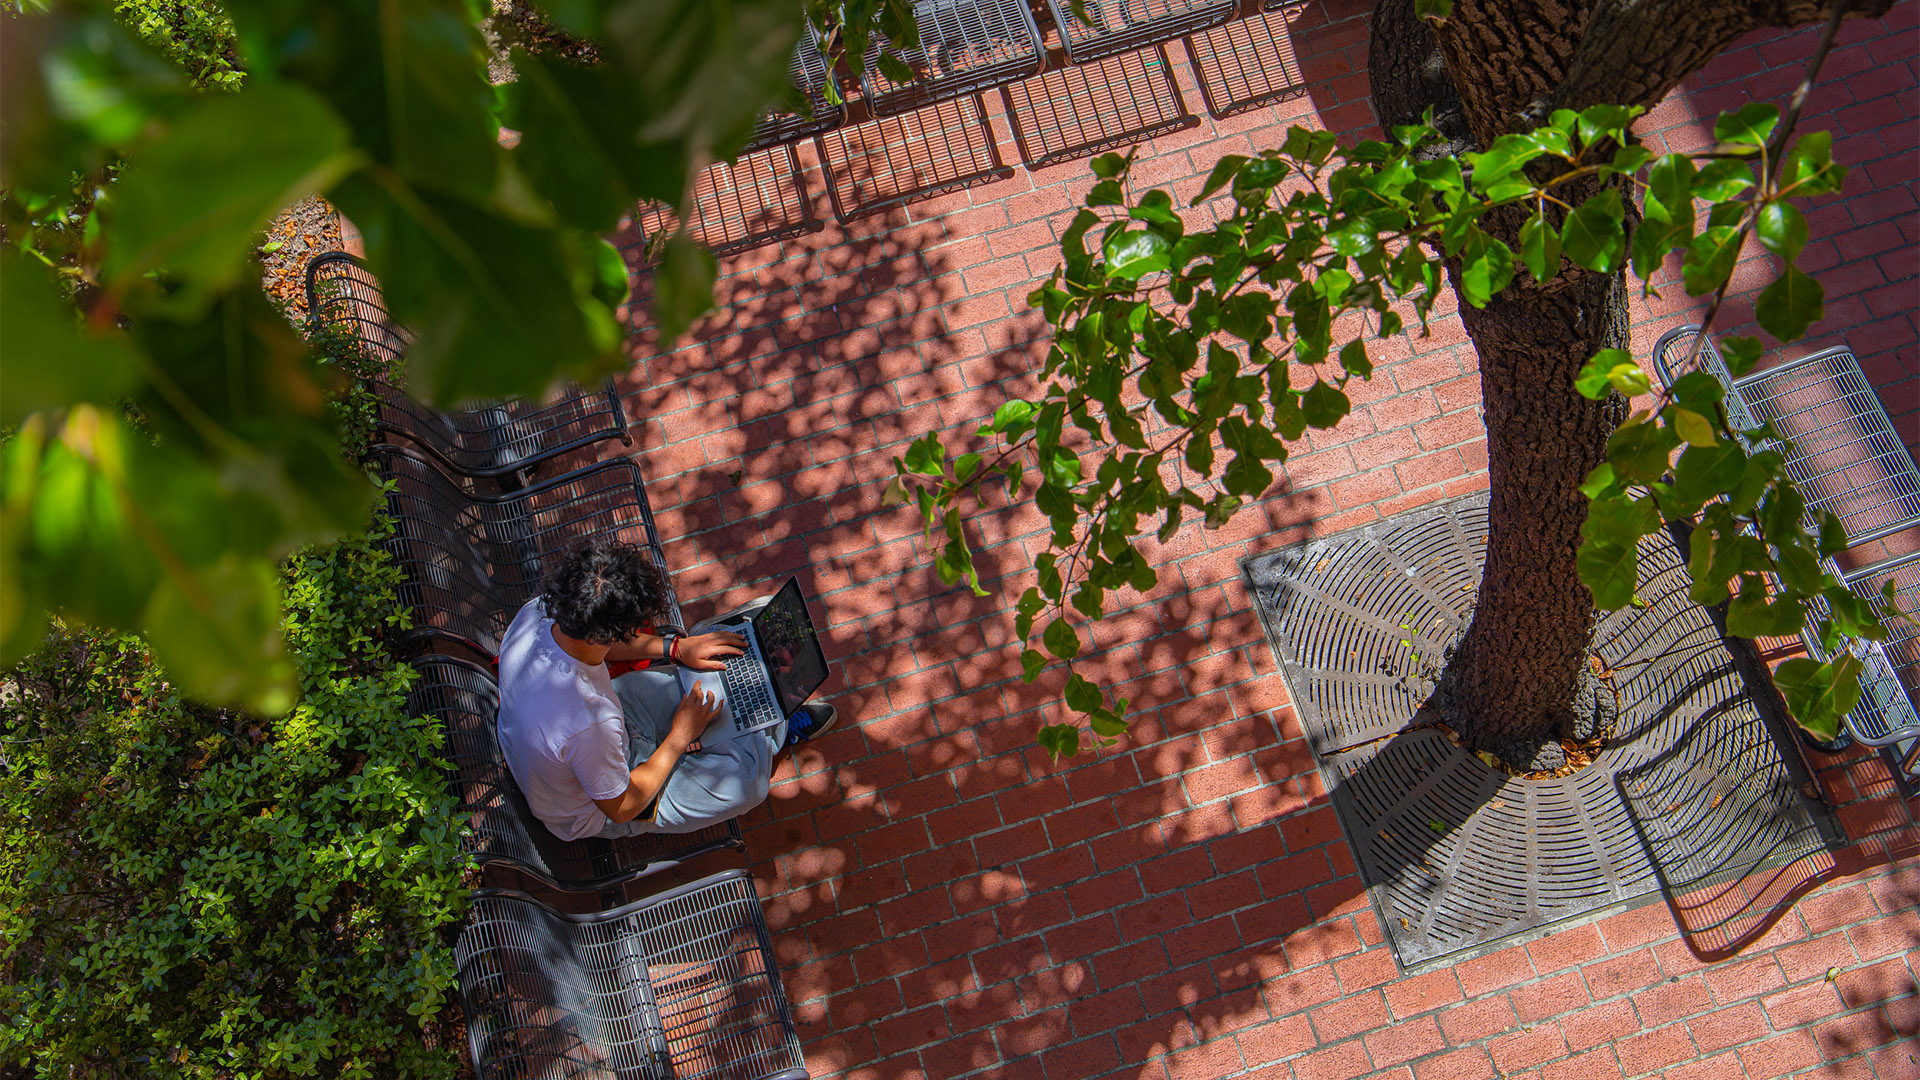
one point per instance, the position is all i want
(603, 756)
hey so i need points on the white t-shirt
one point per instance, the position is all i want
(560, 727)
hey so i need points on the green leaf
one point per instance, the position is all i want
(1790, 304)
(1593, 235)
(1487, 268)
(1694, 428)
(1820, 695)
(1432, 9)
(1107, 166)
(683, 286)
(1060, 740)
(46, 360)
(193, 200)
(1782, 230)
(1353, 357)
(1722, 180)
(1750, 615)
(1324, 405)
(1540, 247)
(1670, 192)
(1133, 253)
(1638, 450)
(1710, 259)
(1609, 370)
(1032, 663)
(1222, 174)
(1706, 471)
(1106, 193)
(1061, 639)
(1740, 354)
(1809, 167)
(1609, 571)
(1082, 696)
(1751, 125)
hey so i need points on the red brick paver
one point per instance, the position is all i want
(949, 903)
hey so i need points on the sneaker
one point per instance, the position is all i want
(813, 719)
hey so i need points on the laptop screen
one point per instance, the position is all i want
(790, 647)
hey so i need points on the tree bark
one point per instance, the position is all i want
(1520, 680)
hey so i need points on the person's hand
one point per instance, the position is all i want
(696, 711)
(709, 652)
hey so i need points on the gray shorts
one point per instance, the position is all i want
(706, 788)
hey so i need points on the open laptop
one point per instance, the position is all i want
(782, 666)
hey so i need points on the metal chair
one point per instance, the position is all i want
(1124, 25)
(809, 75)
(1842, 450)
(1888, 716)
(679, 986)
(464, 697)
(491, 440)
(965, 46)
(470, 561)
(1110, 104)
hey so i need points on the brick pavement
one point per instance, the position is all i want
(949, 903)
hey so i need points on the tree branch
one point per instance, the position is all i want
(1635, 51)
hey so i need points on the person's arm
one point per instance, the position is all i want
(644, 782)
(701, 652)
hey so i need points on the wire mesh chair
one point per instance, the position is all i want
(1842, 450)
(679, 986)
(965, 46)
(1111, 103)
(470, 561)
(808, 73)
(490, 440)
(1889, 711)
(894, 160)
(1124, 25)
(758, 198)
(1246, 64)
(464, 697)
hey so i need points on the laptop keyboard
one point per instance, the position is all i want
(747, 692)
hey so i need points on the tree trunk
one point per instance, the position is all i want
(1520, 680)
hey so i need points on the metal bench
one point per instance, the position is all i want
(1842, 450)
(464, 697)
(470, 561)
(1124, 25)
(1888, 716)
(505, 440)
(965, 46)
(679, 986)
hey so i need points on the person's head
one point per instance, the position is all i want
(601, 591)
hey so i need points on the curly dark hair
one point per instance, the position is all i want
(603, 591)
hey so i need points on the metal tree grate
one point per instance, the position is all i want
(758, 199)
(1079, 111)
(1888, 715)
(965, 46)
(1246, 64)
(1457, 856)
(1843, 452)
(345, 296)
(894, 160)
(1117, 26)
(808, 74)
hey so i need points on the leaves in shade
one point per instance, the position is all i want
(1791, 303)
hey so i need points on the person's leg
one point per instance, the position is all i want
(648, 698)
(720, 782)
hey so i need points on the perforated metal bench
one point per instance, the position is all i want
(679, 986)
(1124, 25)
(507, 439)
(470, 561)
(1888, 715)
(965, 46)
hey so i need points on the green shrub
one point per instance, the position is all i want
(192, 33)
(197, 892)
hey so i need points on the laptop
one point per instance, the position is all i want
(782, 667)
